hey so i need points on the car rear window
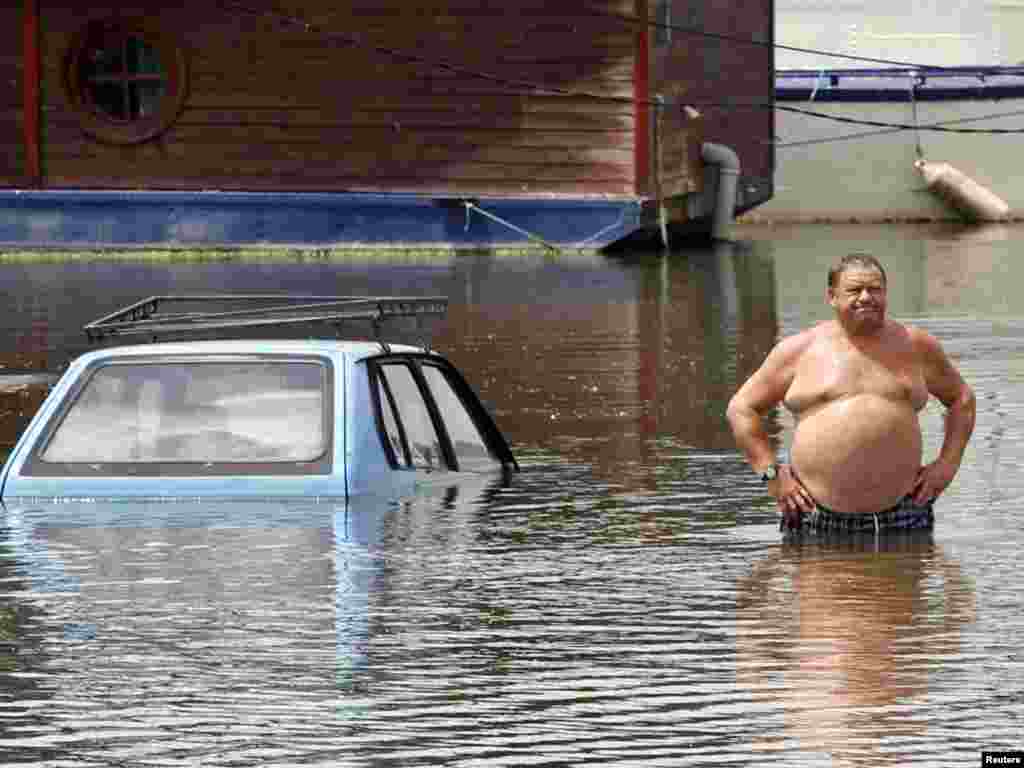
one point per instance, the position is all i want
(424, 444)
(426, 423)
(468, 443)
(197, 413)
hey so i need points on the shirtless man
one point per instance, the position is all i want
(855, 384)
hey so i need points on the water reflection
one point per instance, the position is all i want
(625, 601)
(840, 628)
(657, 352)
(968, 272)
(803, 256)
(141, 629)
(589, 356)
(945, 269)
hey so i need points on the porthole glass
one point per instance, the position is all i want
(126, 81)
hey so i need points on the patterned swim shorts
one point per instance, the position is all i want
(906, 515)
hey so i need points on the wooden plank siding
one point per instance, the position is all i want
(12, 140)
(357, 102)
(715, 69)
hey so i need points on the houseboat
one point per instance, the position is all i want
(382, 124)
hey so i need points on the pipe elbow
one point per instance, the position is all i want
(722, 190)
(720, 155)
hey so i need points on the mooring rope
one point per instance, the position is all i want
(913, 108)
(582, 244)
(471, 206)
(882, 132)
(937, 127)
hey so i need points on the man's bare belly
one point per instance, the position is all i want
(858, 454)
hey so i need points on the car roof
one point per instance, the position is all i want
(356, 349)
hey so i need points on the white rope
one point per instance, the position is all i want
(817, 84)
(471, 206)
(618, 223)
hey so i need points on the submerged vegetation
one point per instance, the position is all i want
(270, 253)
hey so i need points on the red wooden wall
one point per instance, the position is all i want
(356, 100)
(12, 153)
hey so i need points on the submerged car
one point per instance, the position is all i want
(253, 417)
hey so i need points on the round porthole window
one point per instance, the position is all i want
(125, 81)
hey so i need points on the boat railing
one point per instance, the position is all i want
(838, 74)
(899, 83)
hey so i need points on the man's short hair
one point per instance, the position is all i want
(857, 260)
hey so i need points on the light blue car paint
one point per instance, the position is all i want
(359, 466)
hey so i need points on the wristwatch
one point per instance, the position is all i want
(770, 473)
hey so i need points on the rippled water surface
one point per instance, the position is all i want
(626, 600)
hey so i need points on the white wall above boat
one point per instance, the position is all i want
(929, 32)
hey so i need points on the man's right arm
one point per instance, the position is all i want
(762, 392)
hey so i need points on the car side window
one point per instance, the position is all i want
(424, 445)
(392, 430)
(471, 451)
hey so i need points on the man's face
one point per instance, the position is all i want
(859, 299)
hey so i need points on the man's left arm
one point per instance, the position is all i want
(945, 383)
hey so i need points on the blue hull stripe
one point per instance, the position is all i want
(147, 218)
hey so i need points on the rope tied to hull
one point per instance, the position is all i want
(471, 206)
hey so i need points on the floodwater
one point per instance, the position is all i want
(626, 600)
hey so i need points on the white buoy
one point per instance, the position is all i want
(966, 196)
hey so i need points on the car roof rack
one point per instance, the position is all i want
(219, 314)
